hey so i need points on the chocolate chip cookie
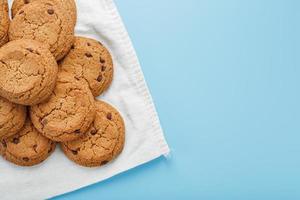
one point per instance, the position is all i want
(12, 118)
(69, 7)
(28, 72)
(102, 142)
(88, 59)
(4, 22)
(46, 22)
(69, 112)
(27, 148)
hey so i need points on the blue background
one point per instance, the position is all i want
(225, 78)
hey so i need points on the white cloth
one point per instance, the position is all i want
(97, 19)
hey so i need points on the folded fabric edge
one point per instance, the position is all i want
(89, 183)
(138, 74)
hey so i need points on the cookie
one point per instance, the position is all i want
(28, 72)
(88, 59)
(69, 7)
(46, 22)
(4, 22)
(69, 112)
(102, 142)
(12, 118)
(27, 148)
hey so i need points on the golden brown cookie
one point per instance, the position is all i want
(69, 7)
(102, 142)
(28, 72)
(91, 61)
(27, 148)
(12, 118)
(46, 22)
(69, 112)
(4, 22)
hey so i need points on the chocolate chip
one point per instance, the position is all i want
(21, 12)
(16, 140)
(77, 131)
(103, 68)
(72, 47)
(26, 159)
(50, 11)
(4, 144)
(93, 131)
(75, 152)
(109, 116)
(102, 60)
(26, 1)
(99, 79)
(89, 55)
(89, 44)
(104, 162)
(29, 49)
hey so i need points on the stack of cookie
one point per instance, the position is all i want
(48, 84)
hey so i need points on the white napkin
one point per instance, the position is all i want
(97, 19)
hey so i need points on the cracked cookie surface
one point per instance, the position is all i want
(46, 22)
(28, 72)
(103, 141)
(69, 7)
(12, 118)
(68, 113)
(4, 22)
(27, 148)
(88, 59)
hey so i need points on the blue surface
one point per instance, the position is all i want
(225, 78)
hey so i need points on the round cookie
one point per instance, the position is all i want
(68, 5)
(46, 22)
(28, 72)
(4, 22)
(12, 118)
(69, 112)
(103, 141)
(88, 59)
(27, 148)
